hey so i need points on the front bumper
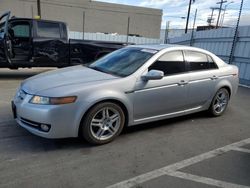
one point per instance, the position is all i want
(61, 119)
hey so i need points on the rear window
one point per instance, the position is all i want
(49, 30)
(199, 61)
(211, 63)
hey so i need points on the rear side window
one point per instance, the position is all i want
(170, 63)
(197, 60)
(211, 63)
(47, 29)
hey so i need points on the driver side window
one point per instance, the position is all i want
(170, 63)
(20, 29)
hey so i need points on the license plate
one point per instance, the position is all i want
(13, 106)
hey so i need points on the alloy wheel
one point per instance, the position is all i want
(221, 101)
(105, 123)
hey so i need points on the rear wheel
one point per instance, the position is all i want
(219, 102)
(103, 123)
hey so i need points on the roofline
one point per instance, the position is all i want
(33, 19)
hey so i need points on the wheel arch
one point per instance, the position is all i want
(112, 100)
(224, 84)
(228, 89)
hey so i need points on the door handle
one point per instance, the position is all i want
(182, 83)
(214, 77)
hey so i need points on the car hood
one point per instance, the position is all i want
(63, 77)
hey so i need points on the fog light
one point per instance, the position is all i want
(45, 128)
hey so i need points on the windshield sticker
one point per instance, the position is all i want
(149, 51)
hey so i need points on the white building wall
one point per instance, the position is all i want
(115, 38)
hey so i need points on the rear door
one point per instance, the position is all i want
(5, 43)
(50, 44)
(203, 75)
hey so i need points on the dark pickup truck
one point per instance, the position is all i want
(40, 43)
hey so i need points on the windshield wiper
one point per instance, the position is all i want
(101, 70)
(98, 69)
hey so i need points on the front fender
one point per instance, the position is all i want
(105, 95)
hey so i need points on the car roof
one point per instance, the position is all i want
(156, 46)
(160, 47)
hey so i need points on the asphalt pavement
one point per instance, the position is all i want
(190, 151)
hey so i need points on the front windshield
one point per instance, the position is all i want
(123, 62)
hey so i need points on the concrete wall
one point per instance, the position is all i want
(99, 17)
(172, 33)
(115, 38)
(219, 42)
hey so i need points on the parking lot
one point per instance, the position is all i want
(190, 151)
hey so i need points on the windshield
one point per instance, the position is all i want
(123, 62)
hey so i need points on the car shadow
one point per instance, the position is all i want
(165, 122)
(80, 143)
(24, 142)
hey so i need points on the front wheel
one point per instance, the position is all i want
(103, 123)
(219, 102)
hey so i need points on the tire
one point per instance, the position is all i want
(219, 103)
(103, 123)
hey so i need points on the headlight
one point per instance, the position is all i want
(52, 100)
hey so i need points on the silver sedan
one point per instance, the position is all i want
(133, 85)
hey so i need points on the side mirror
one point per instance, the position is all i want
(153, 75)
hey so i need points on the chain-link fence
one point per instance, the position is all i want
(220, 42)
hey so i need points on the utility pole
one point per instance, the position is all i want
(83, 25)
(210, 20)
(189, 7)
(221, 3)
(39, 8)
(212, 17)
(192, 35)
(32, 12)
(223, 15)
(235, 35)
(128, 29)
(166, 32)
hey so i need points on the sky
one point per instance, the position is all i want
(174, 10)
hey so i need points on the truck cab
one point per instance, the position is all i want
(26, 42)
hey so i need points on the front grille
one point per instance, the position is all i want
(30, 123)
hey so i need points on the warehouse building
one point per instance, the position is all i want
(91, 16)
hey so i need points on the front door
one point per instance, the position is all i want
(6, 51)
(165, 97)
(21, 35)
